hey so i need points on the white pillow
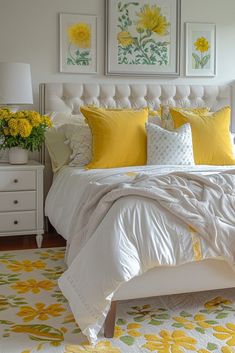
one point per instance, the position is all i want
(60, 118)
(55, 138)
(166, 147)
(80, 142)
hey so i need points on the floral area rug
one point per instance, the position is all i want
(35, 317)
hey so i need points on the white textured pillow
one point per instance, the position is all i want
(166, 147)
(60, 118)
(80, 142)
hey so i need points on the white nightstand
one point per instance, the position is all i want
(21, 200)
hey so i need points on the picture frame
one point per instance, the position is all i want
(200, 49)
(78, 43)
(137, 43)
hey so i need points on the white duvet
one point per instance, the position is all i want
(118, 231)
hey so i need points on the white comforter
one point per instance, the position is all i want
(132, 229)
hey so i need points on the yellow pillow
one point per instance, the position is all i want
(167, 120)
(118, 137)
(211, 136)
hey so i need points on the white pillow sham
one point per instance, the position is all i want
(55, 138)
(166, 147)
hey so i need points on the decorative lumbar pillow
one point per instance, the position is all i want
(211, 135)
(118, 137)
(80, 141)
(166, 117)
(169, 147)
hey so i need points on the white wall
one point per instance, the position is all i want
(29, 32)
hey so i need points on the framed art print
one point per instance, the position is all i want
(78, 43)
(142, 37)
(200, 49)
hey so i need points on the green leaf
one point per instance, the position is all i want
(162, 316)
(205, 311)
(205, 60)
(200, 329)
(185, 314)
(155, 322)
(211, 322)
(139, 318)
(127, 340)
(121, 322)
(177, 324)
(212, 346)
(5, 322)
(221, 316)
(196, 57)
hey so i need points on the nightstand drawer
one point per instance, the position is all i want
(16, 221)
(11, 180)
(17, 201)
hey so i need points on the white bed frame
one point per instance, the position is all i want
(68, 97)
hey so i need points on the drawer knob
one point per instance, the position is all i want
(15, 222)
(15, 202)
(15, 181)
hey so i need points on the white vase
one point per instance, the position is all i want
(18, 155)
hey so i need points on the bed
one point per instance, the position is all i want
(201, 275)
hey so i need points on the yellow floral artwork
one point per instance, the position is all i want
(78, 43)
(142, 37)
(201, 56)
(36, 318)
(142, 40)
(200, 49)
(151, 19)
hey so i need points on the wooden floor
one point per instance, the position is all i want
(50, 240)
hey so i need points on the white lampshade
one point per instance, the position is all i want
(15, 83)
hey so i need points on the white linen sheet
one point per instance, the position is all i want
(135, 234)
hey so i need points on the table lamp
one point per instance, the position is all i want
(15, 85)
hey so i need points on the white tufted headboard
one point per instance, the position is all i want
(68, 97)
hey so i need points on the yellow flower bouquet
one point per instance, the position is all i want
(24, 129)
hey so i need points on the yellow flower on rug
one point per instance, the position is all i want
(36, 318)
(26, 265)
(41, 312)
(227, 350)
(52, 255)
(31, 285)
(226, 333)
(170, 342)
(197, 320)
(129, 330)
(102, 346)
(216, 302)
